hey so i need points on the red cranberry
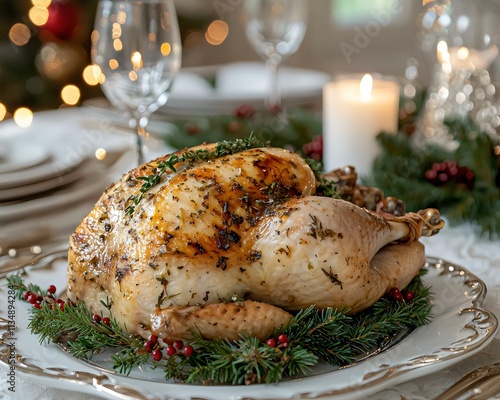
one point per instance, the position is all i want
(153, 339)
(409, 296)
(96, 318)
(187, 351)
(51, 289)
(178, 344)
(106, 321)
(171, 351)
(282, 338)
(156, 354)
(271, 342)
(148, 346)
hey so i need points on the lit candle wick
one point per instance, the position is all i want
(136, 60)
(365, 87)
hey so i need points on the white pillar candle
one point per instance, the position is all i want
(355, 110)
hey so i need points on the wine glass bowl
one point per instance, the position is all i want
(275, 29)
(136, 45)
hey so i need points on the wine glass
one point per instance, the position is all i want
(136, 45)
(275, 29)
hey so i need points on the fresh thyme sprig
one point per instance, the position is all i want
(221, 149)
(330, 335)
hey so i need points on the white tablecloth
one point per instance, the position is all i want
(459, 245)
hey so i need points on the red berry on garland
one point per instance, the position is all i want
(244, 111)
(153, 339)
(62, 305)
(32, 298)
(187, 351)
(96, 318)
(447, 172)
(52, 289)
(37, 305)
(156, 354)
(178, 345)
(106, 321)
(314, 149)
(26, 295)
(148, 346)
(39, 298)
(393, 291)
(282, 339)
(271, 342)
(171, 351)
(398, 297)
(409, 296)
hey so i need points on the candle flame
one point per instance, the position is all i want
(365, 87)
(136, 60)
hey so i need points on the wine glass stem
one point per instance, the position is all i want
(139, 123)
(274, 94)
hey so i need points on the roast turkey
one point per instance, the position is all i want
(235, 244)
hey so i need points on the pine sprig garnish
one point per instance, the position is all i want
(330, 335)
(76, 323)
(16, 283)
(190, 157)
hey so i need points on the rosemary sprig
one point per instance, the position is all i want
(191, 157)
(330, 335)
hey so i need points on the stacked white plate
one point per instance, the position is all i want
(52, 164)
(28, 169)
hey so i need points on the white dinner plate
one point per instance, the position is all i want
(220, 89)
(17, 154)
(460, 327)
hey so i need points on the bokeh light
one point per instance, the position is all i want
(19, 34)
(70, 94)
(23, 117)
(91, 75)
(165, 49)
(38, 15)
(3, 111)
(217, 32)
(41, 3)
(100, 154)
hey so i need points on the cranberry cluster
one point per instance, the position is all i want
(281, 342)
(37, 299)
(447, 172)
(396, 295)
(176, 348)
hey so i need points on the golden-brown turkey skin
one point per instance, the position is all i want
(183, 244)
(246, 224)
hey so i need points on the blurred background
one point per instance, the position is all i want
(45, 60)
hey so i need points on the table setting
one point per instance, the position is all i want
(152, 240)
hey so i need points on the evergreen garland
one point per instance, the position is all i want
(403, 167)
(312, 335)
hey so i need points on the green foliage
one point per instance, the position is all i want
(330, 335)
(292, 132)
(400, 171)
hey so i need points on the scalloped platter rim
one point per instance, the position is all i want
(460, 327)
